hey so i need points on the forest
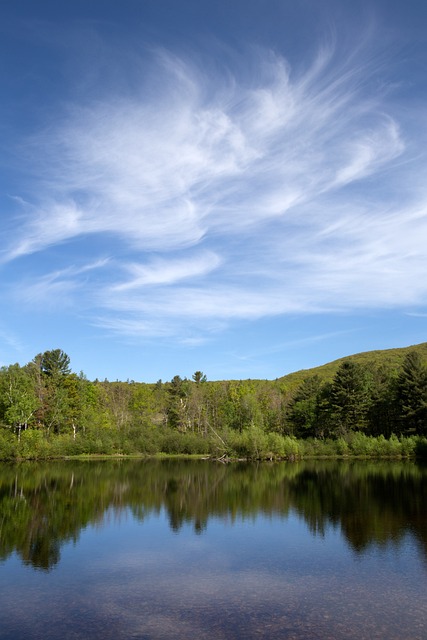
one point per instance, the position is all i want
(372, 404)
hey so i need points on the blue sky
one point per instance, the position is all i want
(233, 187)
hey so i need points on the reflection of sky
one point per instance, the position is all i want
(260, 577)
(283, 543)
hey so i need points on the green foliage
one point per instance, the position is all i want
(173, 442)
(54, 363)
(419, 449)
(33, 445)
(48, 411)
(304, 409)
(387, 359)
(383, 412)
(8, 445)
(18, 400)
(199, 377)
(412, 394)
(178, 391)
(349, 398)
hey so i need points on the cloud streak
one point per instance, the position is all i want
(228, 196)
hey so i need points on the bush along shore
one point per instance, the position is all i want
(251, 445)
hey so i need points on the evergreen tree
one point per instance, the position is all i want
(304, 410)
(412, 394)
(177, 403)
(54, 363)
(383, 413)
(198, 377)
(349, 398)
(50, 370)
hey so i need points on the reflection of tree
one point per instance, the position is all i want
(43, 506)
(374, 503)
(38, 513)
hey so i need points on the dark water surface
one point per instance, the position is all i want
(173, 549)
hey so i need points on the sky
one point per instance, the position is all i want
(232, 187)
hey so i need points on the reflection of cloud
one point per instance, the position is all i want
(228, 196)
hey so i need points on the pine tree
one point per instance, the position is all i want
(304, 414)
(412, 395)
(349, 397)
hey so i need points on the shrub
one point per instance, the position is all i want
(291, 446)
(392, 446)
(361, 445)
(8, 445)
(342, 447)
(33, 445)
(276, 445)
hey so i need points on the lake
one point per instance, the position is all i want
(197, 549)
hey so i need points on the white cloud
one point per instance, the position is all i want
(224, 197)
(53, 223)
(367, 153)
(166, 272)
(9, 339)
(57, 288)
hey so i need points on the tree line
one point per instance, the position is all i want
(46, 410)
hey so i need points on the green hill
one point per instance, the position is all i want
(387, 358)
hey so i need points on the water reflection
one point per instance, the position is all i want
(43, 506)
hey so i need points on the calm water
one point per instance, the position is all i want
(209, 551)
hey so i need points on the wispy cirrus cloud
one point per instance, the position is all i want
(166, 272)
(9, 339)
(57, 288)
(230, 195)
